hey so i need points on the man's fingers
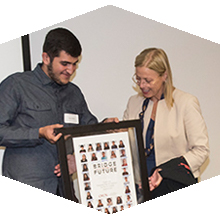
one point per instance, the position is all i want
(48, 133)
(57, 167)
(57, 137)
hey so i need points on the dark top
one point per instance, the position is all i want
(28, 101)
(149, 151)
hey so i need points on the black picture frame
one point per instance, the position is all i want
(135, 130)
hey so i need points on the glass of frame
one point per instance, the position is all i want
(110, 165)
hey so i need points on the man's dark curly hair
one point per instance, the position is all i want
(61, 39)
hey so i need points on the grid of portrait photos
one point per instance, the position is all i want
(105, 172)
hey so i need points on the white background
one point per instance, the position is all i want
(195, 70)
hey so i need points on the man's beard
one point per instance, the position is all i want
(52, 75)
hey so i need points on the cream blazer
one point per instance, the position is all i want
(179, 131)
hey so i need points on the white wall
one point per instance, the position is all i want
(112, 37)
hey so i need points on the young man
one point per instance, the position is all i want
(36, 102)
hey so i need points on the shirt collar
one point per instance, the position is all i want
(41, 75)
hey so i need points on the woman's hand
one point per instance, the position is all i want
(108, 120)
(155, 179)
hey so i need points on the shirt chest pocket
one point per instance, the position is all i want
(36, 114)
(37, 107)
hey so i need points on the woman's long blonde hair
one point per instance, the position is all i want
(157, 60)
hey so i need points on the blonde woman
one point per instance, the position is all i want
(174, 132)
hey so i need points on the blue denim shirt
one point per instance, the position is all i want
(28, 101)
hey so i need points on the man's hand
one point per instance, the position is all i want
(71, 161)
(155, 179)
(48, 133)
(57, 170)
